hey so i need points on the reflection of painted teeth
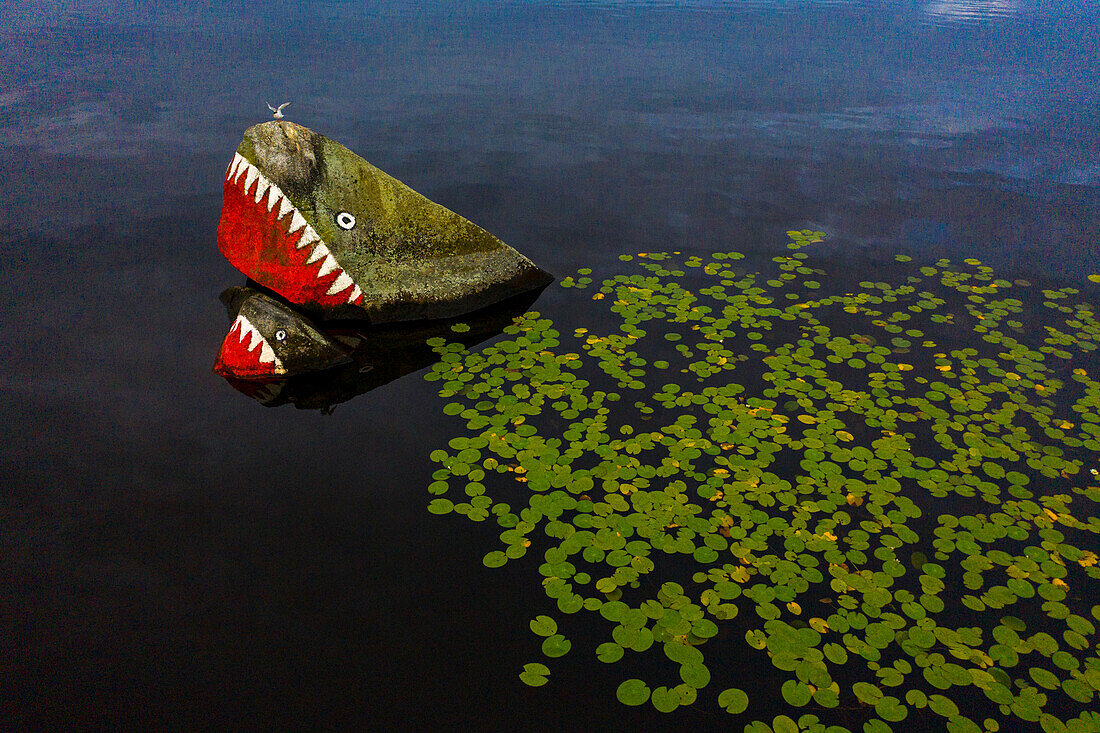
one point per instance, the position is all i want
(268, 392)
(241, 169)
(245, 330)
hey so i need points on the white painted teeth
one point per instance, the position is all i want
(341, 283)
(240, 167)
(296, 222)
(251, 175)
(327, 266)
(250, 332)
(284, 206)
(234, 165)
(308, 237)
(319, 252)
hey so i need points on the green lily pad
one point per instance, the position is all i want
(544, 626)
(942, 706)
(878, 472)
(556, 646)
(734, 701)
(441, 506)
(796, 693)
(494, 559)
(784, 724)
(890, 709)
(867, 693)
(665, 700)
(609, 652)
(534, 674)
(633, 692)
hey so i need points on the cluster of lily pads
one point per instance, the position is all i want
(886, 490)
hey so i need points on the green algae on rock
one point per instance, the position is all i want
(884, 491)
(309, 219)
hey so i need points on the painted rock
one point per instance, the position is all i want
(269, 340)
(312, 221)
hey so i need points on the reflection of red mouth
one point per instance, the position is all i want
(246, 355)
(264, 236)
(262, 391)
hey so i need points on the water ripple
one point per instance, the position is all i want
(969, 11)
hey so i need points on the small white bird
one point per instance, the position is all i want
(278, 113)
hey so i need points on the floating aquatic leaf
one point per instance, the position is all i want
(544, 626)
(877, 497)
(890, 709)
(866, 692)
(633, 692)
(796, 693)
(440, 506)
(695, 674)
(534, 674)
(942, 706)
(609, 652)
(734, 701)
(556, 646)
(784, 724)
(665, 700)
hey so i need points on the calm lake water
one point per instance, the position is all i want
(175, 555)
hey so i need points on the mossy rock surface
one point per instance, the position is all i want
(319, 225)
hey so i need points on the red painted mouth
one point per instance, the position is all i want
(264, 236)
(246, 355)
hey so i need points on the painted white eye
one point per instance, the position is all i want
(344, 220)
(280, 335)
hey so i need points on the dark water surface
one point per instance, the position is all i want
(175, 555)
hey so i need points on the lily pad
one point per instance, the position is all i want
(556, 646)
(633, 692)
(544, 626)
(734, 701)
(876, 472)
(534, 674)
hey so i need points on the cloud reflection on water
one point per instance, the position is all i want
(971, 10)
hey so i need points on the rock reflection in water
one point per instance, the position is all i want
(379, 354)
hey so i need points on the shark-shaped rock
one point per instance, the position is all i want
(312, 221)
